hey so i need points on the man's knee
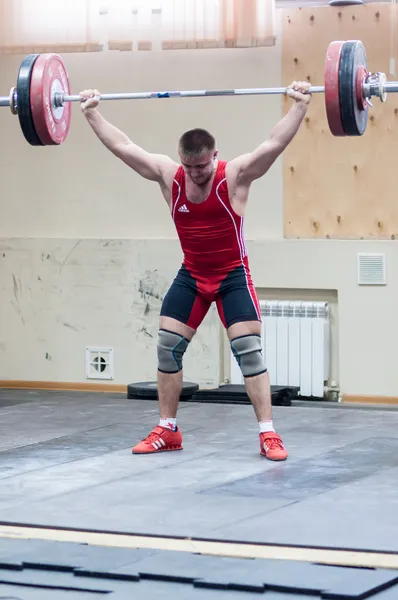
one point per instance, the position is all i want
(249, 355)
(171, 347)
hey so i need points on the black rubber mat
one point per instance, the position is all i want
(236, 394)
(224, 394)
(298, 481)
(5, 401)
(54, 568)
(148, 390)
(68, 448)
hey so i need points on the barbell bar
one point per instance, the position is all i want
(42, 98)
(60, 99)
(391, 86)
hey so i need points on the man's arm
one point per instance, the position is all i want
(155, 167)
(253, 165)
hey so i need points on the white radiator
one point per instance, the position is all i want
(295, 341)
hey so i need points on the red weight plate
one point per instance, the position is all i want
(49, 76)
(332, 96)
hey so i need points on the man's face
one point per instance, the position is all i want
(199, 169)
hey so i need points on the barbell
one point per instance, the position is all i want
(42, 98)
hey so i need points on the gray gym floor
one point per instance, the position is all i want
(65, 461)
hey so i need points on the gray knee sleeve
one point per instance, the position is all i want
(171, 347)
(249, 355)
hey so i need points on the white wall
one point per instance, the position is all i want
(80, 190)
(79, 231)
(364, 323)
(59, 296)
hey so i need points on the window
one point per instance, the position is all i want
(78, 25)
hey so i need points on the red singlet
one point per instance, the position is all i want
(215, 266)
(210, 233)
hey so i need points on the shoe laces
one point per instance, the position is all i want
(273, 440)
(154, 435)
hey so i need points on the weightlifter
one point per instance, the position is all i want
(207, 198)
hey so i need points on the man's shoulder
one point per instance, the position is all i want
(231, 168)
(222, 167)
(178, 172)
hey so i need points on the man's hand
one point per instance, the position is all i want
(298, 90)
(90, 99)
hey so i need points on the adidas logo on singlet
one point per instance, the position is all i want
(183, 208)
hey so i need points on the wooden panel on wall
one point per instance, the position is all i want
(340, 187)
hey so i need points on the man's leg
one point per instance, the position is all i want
(170, 383)
(183, 309)
(239, 311)
(258, 387)
(245, 340)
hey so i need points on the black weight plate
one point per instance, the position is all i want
(149, 390)
(353, 118)
(23, 91)
(236, 394)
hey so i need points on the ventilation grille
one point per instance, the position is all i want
(99, 363)
(372, 269)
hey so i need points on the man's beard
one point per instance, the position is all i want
(203, 182)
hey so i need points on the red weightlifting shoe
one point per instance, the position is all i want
(160, 439)
(272, 447)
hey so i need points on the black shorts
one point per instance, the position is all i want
(189, 299)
